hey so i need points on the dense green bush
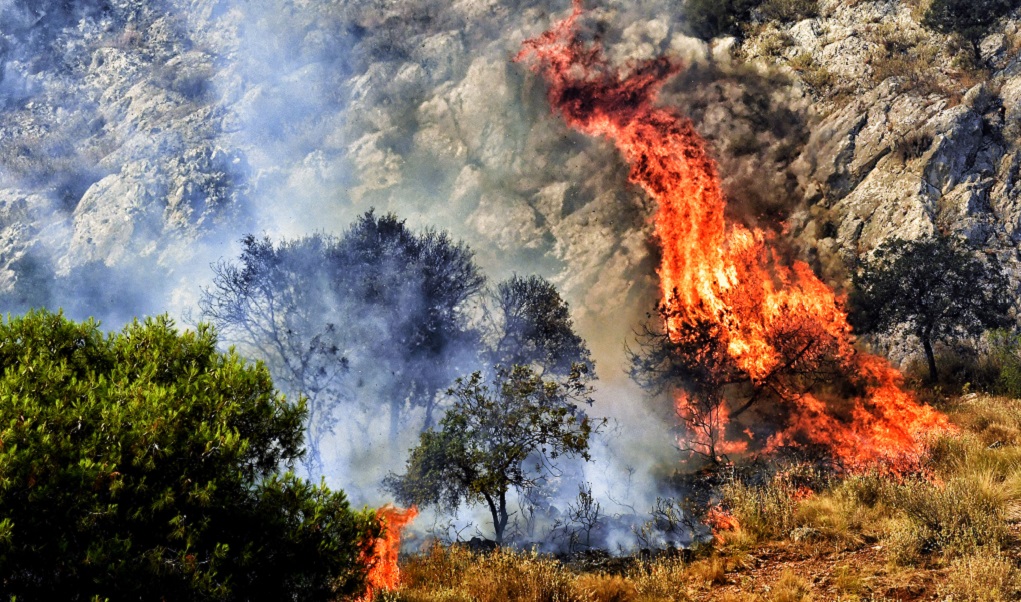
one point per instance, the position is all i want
(145, 465)
(971, 18)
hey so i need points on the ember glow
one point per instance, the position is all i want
(384, 574)
(778, 324)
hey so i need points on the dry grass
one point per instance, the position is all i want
(812, 73)
(987, 577)
(449, 574)
(790, 588)
(600, 587)
(863, 537)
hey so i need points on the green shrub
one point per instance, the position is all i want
(1005, 353)
(145, 465)
(971, 18)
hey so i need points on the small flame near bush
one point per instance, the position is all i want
(720, 521)
(381, 555)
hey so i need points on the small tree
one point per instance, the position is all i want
(274, 303)
(145, 465)
(970, 18)
(489, 435)
(935, 288)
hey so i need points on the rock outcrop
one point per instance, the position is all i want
(157, 132)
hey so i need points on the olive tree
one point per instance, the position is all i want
(934, 288)
(529, 324)
(380, 307)
(497, 435)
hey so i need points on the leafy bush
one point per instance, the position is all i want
(145, 465)
(1005, 353)
(971, 18)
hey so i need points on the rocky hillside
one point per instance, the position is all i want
(140, 140)
(912, 131)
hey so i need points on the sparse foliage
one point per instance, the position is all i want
(146, 465)
(935, 288)
(504, 434)
(584, 515)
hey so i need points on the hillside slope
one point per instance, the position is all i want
(140, 140)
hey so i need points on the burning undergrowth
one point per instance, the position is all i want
(755, 349)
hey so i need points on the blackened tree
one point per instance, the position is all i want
(489, 437)
(934, 288)
(146, 465)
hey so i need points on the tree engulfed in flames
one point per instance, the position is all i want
(381, 555)
(773, 323)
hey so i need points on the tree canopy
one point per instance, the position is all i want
(531, 325)
(380, 307)
(970, 18)
(934, 288)
(146, 465)
(484, 445)
(383, 316)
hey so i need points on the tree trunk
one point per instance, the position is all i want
(495, 512)
(930, 357)
(503, 518)
(429, 405)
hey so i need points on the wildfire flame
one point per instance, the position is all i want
(381, 556)
(774, 315)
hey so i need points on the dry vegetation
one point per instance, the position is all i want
(950, 532)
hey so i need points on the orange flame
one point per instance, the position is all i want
(776, 314)
(381, 556)
(721, 521)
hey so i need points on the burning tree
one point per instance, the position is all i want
(489, 436)
(686, 355)
(730, 300)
